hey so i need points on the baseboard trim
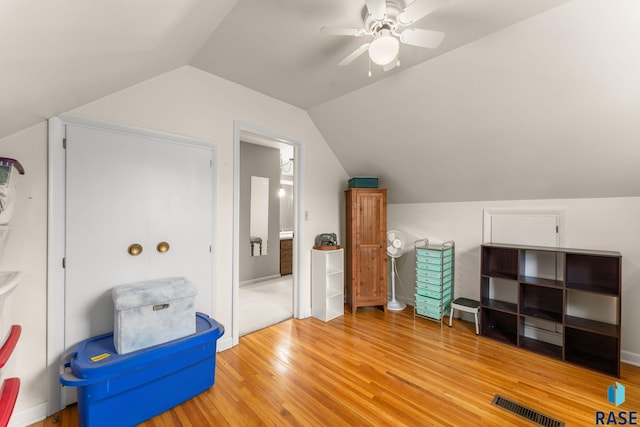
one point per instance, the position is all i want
(29, 416)
(630, 358)
(304, 314)
(259, 279)
(224, 344)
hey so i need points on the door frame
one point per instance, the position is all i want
(298, 203)
(56, 232)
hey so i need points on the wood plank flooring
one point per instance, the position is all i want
(376, 369)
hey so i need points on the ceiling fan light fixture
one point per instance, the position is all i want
(384, 49)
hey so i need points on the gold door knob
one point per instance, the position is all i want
(162, 247)
(135, 249)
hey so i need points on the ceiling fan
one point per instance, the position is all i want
(383, 20)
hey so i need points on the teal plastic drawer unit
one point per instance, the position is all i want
(428, 312)
(440, 275)
(441, 269)
(432, 301)
(428, 280)
(434, 279)
(433, 257)
(432, 292)
(431, 308)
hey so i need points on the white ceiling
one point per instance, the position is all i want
(275, 46)
(524, 98)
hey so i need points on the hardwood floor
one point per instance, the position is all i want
(377, 368)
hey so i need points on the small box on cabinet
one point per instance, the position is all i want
(363, 182)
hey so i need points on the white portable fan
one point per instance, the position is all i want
(396, 245)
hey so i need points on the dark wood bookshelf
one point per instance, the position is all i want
(507, 307)
(538, 313)
(501, 275)
(594, 326)
(589, 343)
(500, 325)
(539, 281)
(593, 288)
(541, 347)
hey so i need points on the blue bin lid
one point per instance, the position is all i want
(96, 357)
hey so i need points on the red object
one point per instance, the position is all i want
(9, 344)
(8, 397)
(16, 164)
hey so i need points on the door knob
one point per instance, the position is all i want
(134, 249)
(162, 247)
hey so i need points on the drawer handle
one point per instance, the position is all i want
(159, 307)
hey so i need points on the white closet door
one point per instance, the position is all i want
(523, 229)
(123, 189)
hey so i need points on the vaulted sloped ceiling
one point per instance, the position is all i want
(59, 55)
(547, 108)
(524, 98)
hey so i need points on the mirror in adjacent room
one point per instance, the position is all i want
(259, 215)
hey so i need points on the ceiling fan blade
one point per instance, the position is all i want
(422, 38)
(377, 9)
(337, 31)
(353, 55)
(418, 10)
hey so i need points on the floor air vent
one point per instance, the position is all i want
(526, 413)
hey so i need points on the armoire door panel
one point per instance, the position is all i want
(368, 274)
(365, 248)
(370, 219)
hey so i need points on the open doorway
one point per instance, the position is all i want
(266, 225)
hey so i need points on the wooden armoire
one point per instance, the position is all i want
(366, 252)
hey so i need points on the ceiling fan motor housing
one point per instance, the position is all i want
(389, 22)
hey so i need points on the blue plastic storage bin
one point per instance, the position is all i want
(127, 389)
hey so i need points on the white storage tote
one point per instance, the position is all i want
(152, 312)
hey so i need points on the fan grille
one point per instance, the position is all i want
(396, 243)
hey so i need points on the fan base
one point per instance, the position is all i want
(395, 305)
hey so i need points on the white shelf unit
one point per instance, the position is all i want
(327, 284)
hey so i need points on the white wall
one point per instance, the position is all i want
(190, 102)
(602, 224)
(187, 102)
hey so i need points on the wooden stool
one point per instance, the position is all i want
(466, 305)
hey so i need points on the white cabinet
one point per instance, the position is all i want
(327, 284)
